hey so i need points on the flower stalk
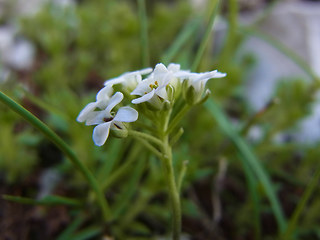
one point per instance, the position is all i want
(173, 189)
(171, 180)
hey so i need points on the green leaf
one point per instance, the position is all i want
(183, 37)
(49, 200)
(314, 183)
(130, 188)
(87, 233)
(71, 228)
(62, 145)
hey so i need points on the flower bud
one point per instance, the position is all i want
(166, 105)
(119, 132)
(171, 92)
(205, 97)
(191, 96)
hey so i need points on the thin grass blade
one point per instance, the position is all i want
(54, 138)
(250, 159)
(183, 37)
(144, 33)
(314, 183)
(49, 200)
(206, 37)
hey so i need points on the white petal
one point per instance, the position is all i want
(162, 92)
(173, 67)
(101, 133)
(219, 75)
(144, 98)
(98, 117)
(105, 93)
(122, 77)
(143, 87)
(166, 79)
(145, 71)
(102, 104)
(126, 114)
(160, 69)
(208, 75)
(114, 100)
(183, 74)
(84, 114)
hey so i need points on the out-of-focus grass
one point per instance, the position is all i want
(79, 47)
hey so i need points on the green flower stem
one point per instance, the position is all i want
(169, 175)
(182, 174)
(178, 117)
(176, 137)
(146, 136)
(173, 190)
(148, 145)
(52, 136)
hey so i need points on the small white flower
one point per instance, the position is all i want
(199, 80)
(129, 80)
(101, 102)
(105, 119)
(153, 88)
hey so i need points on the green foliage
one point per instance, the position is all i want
(78, 47)
(16, 165)
(295, 97)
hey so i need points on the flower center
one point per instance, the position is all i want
(107, 119)
(154, 86)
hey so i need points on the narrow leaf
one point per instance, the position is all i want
(49, 200)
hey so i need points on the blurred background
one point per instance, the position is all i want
(56, 54)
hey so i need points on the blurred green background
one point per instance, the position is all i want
(55, 57)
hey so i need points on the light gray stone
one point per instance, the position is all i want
(296, 24)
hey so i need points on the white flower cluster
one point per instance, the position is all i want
(161, 85)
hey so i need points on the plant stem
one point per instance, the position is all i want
(148, 145)
(173, 190)
(177, 118)
(146, 136)
(53, 137)
(171, 181)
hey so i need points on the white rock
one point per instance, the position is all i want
(296, 24)
(20, 56)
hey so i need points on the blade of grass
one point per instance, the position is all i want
(207, 35)
(116, 150)
(144, 32)
(183, 37)
(49, 200)
(123, 169)
(230, 43)
(250, 159)
(54, 138)
(302, 204)
(71, 228)
(254, 194)
(131, 187)
(87, 233)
